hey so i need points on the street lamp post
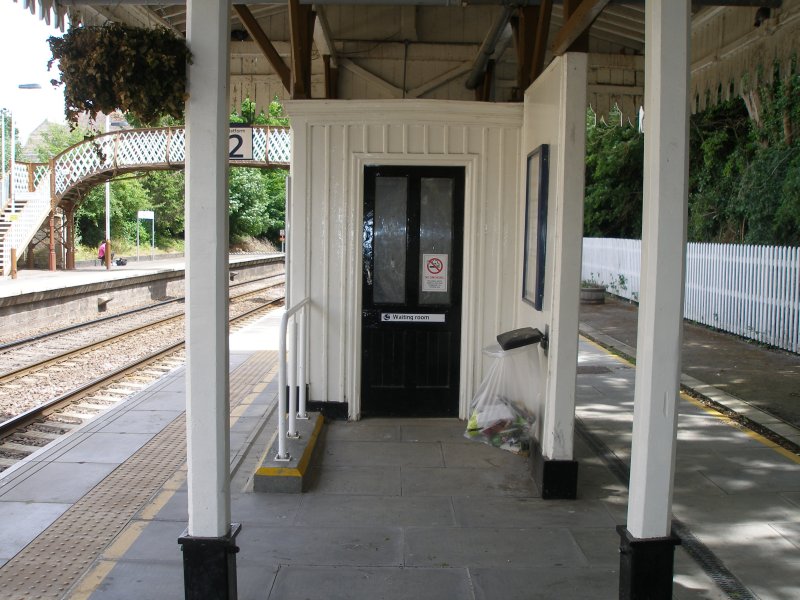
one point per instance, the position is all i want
(11, 191)
(107, 255)
(22, 86)
(3, 192)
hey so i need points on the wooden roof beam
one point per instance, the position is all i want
(577, 24)
(581, 43)
(260, 38)
(323, 40)
(322, 36)
(301, 28)
(524, 28)
(540, 43)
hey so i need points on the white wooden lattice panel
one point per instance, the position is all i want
(41, 172)
(260, 143)
(78, 162)
(141, 148)
(150, 147)
(280, 146)
(177, 147)
(20, 178)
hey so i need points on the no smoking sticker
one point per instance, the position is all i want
(434, 272)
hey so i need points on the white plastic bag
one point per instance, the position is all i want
(498, 412)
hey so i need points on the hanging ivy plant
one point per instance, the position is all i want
(118, 67)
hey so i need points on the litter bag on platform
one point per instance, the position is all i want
(498, 413)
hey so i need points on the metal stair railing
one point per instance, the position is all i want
(30, 209)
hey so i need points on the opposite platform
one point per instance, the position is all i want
(38, 298)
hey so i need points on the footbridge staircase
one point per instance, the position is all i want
(42, 194)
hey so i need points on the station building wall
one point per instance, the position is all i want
(555, 114)
(332, 142)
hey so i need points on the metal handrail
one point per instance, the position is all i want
(295, 373)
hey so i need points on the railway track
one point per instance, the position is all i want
(18, 354)
(61, 382)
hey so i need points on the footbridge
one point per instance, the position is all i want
(43, 197)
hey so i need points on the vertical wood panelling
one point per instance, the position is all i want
(495, 239)
(317, 244)
(415, 139)
(510, 203)
(436, 139)
(750, 291)
(480, 256)
(340, 221)
(396, 139)
(328, 238)
(375, 139)
(332, 191)
(456, 140)
(475, 141)
(350, 333)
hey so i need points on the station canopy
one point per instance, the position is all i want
(489, 50)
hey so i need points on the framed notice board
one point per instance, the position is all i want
(535, 226)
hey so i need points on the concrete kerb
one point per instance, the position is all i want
(290, 476)
(735, 408)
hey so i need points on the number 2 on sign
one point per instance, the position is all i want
(240, 143)
(237, 142)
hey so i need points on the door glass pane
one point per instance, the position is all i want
(389, 275)
(435, 240)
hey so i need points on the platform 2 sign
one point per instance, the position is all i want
(240, 143)
(411, 318)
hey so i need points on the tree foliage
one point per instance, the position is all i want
(257, 196)
(247, 114)
(614, 159)
(127, 197)
(53, 139)
(256, 203)
(744, 171)
(745, 168)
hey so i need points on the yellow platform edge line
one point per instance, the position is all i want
(302, 465)
(711, 410)
(748, 432)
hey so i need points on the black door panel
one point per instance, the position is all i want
(411, 305)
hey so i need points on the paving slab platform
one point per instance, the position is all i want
(396, 508)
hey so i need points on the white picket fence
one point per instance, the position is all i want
(751, 291)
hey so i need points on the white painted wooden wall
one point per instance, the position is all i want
(555, 114)
(332, 142)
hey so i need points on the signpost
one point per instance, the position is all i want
(146, 214)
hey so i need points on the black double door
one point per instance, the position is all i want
(411, 304)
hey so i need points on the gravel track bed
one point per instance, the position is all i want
(67, 320)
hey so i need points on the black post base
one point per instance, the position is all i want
(556, 479)
(209, 565)
(645, 566)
